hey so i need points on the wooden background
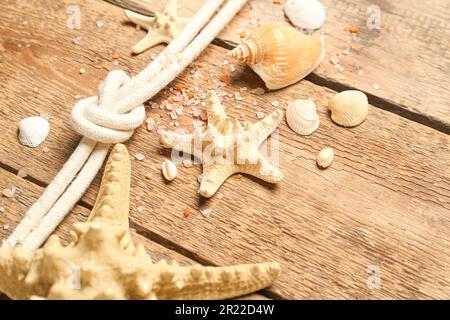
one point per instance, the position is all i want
(384, 202)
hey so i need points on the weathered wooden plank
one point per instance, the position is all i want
(384, 202)
(27, 193)
(409, 58)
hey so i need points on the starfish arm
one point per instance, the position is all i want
(263, 170)
(152, 39)
(213, 177)
(216, 112)
(198, 282)
(266, 126)
(177, 141)
(140, 20)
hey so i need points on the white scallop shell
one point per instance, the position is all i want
(325, 158)
(305, 14)
(169, 170)
(302, 117)
(349, 108)
(33, 131)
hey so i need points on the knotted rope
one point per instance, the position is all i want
(111, 118)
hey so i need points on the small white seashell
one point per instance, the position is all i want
(325, 158)
(349, 108)
(280, 54)
(169, 170)
(305, 14)
(302, 117)
(33, 131)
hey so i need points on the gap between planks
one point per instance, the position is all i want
(316, 79)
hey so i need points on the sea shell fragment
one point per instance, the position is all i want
(349, 108)
(280, 55)
(325, 158)
(33, 131)
(305, 14)
(302, 117)
(169, 170)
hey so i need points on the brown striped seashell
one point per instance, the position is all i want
(280, 54)
(102, 262)
(349, 108)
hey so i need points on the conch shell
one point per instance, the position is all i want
(103, 263)
(280, 54)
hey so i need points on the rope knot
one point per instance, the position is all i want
(101, 118)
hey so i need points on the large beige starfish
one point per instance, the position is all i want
(103, 263)
(162, 28)
(226, 147)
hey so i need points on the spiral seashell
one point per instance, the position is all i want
(302, 117)
(280, 55)
(349, 108)
(33, 131)
(325, 158)
(305, 14)
(169, 170)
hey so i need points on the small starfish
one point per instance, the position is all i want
(226, 147)
(162, 28)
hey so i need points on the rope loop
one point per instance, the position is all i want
(98, 118)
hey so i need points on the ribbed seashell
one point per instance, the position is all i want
(349, 108)
(325, 158)
(302, 117)
(169, 170)
(102, 262)
(305, 14)
(33, 131)
(280, 55)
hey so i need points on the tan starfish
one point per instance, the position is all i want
(103, 263)
(226, 147)
(162, 28)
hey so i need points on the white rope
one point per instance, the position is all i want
(111, 118)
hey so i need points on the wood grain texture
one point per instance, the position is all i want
(384, 202)
(28, 192)
(409, 58)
